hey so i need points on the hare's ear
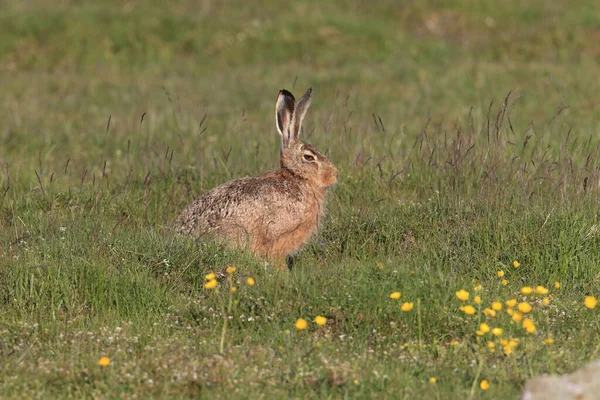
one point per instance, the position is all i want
(284, 111)
(299, 113)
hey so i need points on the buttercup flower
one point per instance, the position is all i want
(509, 345)
(469, 310)
(301, 324)
(319, 320)
(462, 295)
(406, 307)
(210, 277)
(504, 282)
(211, 284)
(524, 307)
(395, 296)
(496, 306)
(432, 380)
(526, 290)
(231, 269)
(489, 312)
(511, 303)
(548, 341)
(517, 317)
(233, 289)
(500, 274)
(485, 328)
(497, 331)
(516, 264)
(484, 385)
(590, 302)
(250, 281)
(104, 361)
(556, 285)
(541, 290)
(477, 300)
(546, 301)
(529, 325)
(478, 288)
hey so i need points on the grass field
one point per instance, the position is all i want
(466, 136)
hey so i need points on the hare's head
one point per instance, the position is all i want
(300, 158)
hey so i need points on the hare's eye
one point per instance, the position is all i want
(308, 157)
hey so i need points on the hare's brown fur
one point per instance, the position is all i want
(276, 213)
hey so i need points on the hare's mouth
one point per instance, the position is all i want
(332, 184)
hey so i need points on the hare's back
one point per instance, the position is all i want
(242, 202)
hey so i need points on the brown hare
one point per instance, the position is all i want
(272, 214)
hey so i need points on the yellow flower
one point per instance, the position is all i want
(500, 274)
(406, 307)
(517, 317)
(497, 306)
(516, 264)
(526, 290)
(432, 380)
(524, 307)
(549, 341)
(250, 281)
(510, 311)
(529, 325)
(504, 282)
(511, 303)
(462, 295)
(478, 288)
(491, 345)
(497, 331)
(484, 385)
(231, 269)
(469, 310)
(356, 381)
(321, 321)
(590, 302)
(395, 296)
(489, 312)
(485, 328)
(541, 290)
(546, 301)
(479, 333)
(210, 277)
(301, 324)
(104, 361)
(508, 346)
(233, 289)
(556, 285)
(477, 300)
(454, 343)
(211, 284)
(379, 265)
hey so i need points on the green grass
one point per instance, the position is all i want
(445, 178)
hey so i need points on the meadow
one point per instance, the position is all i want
(466, 136)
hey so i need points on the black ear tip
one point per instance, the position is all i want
(285, 93)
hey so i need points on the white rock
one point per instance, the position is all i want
(583, 384)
